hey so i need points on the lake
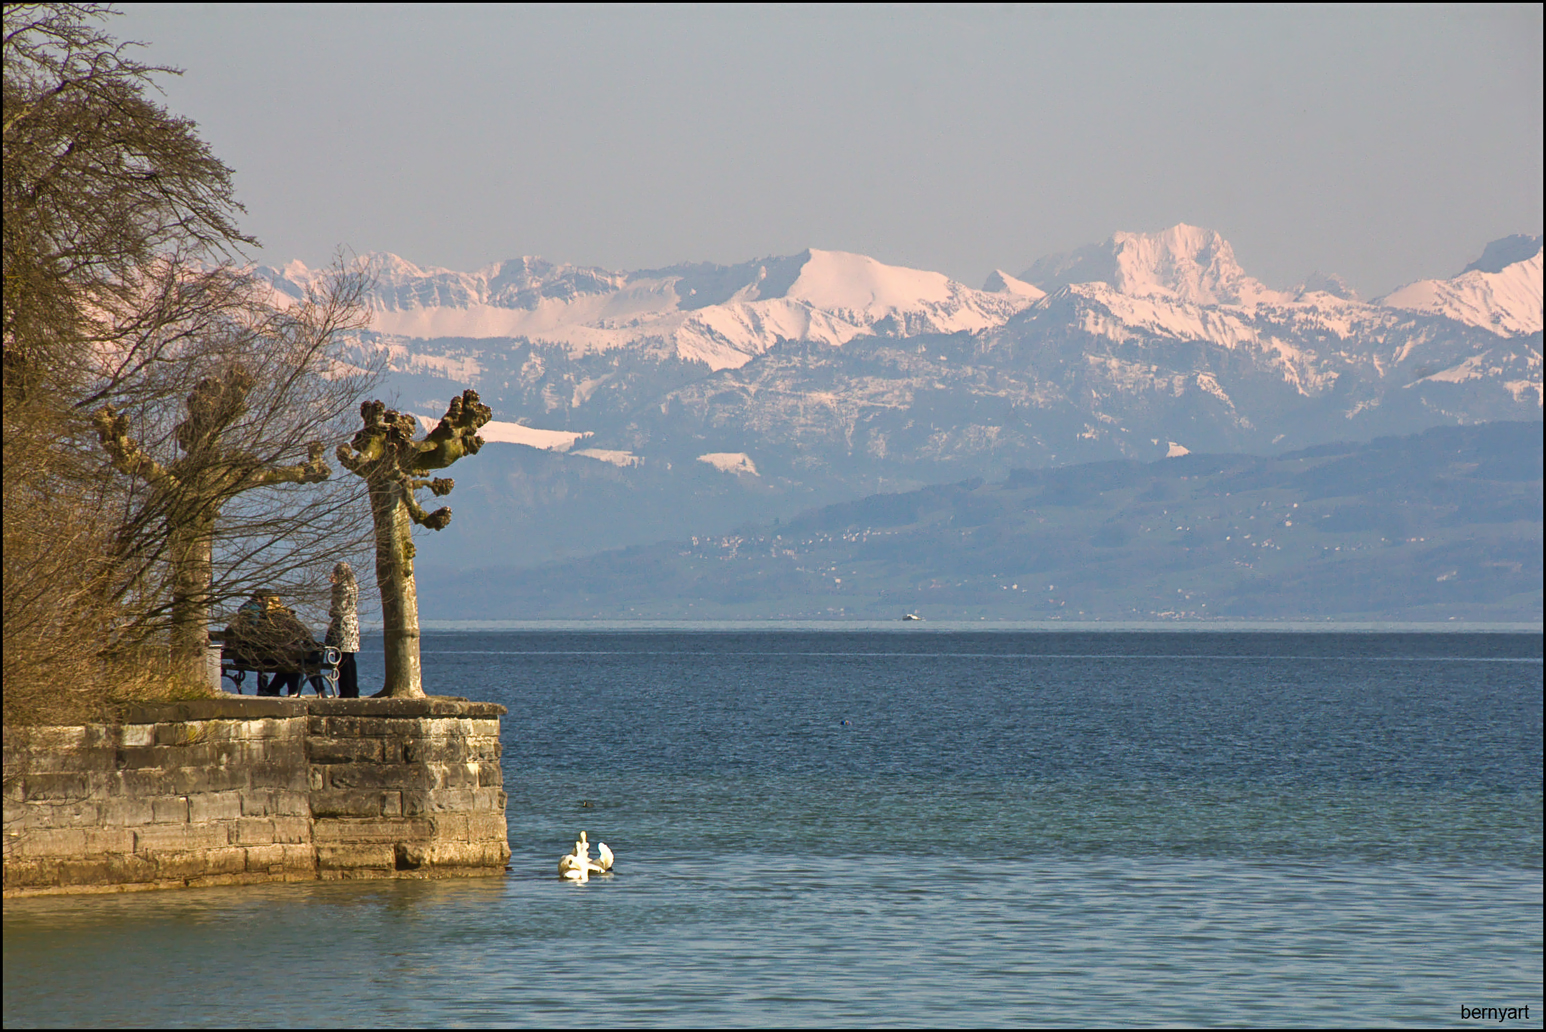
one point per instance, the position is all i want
(907, 827)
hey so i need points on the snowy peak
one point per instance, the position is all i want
(1196, 265)
(829, 281)
(1184, 262)
(832, 297)
(1325, 283)
(520, 283)
(1500, 254)
(1506, 301)
(701, 284)
(1190, 266)
(528, 282)
(839, 281)
(1001, 282)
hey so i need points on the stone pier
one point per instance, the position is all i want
(237, 790)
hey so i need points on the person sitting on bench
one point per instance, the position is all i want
(267, 633)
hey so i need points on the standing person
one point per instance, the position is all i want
(343, 629)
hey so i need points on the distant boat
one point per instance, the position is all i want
(911, 616)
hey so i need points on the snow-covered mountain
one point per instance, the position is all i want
(1183, 282)
(639, 404)
(720, 316)
(1506, 301)
(1134, 345)
(1182, 263)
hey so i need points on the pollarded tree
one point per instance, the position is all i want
(392, 463)
(268, 389)
(191, 491)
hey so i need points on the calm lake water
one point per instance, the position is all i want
(908, 828)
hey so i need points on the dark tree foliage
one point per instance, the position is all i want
(105, 192)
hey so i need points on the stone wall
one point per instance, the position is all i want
(234, 790)
(411, 790)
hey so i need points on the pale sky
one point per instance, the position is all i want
(1386, 144)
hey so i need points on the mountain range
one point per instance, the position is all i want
(632, 407)
(1438, 526)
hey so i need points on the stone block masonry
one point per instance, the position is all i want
(235, 790)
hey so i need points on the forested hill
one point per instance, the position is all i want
(1439, 525)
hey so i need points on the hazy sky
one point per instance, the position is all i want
(1385, 144)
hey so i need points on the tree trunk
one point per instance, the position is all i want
(399, 594)
(192, 567)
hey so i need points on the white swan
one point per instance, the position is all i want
(578, 866)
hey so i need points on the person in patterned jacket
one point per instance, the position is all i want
(343, 629)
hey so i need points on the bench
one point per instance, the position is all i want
(321, 662)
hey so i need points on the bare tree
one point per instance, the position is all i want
(385, 454)
(128, 323)
(275, 384)
(108, 198)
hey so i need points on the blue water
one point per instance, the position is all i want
(909, 828)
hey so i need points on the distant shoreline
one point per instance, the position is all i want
(937, 626)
